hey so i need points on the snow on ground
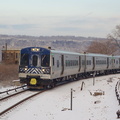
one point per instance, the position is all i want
(55, 104)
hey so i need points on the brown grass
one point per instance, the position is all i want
(8, 72)
(98, 93)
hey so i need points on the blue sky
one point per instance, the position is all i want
(95, 18)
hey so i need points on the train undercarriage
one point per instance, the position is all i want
(34, 82)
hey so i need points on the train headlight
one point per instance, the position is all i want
(25, 69)
(46, 70)
(43, 70)
(35, 49)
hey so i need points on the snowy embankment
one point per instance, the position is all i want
(96, 102)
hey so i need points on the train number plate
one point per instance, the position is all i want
(33, 81)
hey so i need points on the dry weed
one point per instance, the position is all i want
(8, 72)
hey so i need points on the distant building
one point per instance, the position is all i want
(10, 56)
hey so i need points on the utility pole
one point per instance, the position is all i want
(5, 52)
(6, 46)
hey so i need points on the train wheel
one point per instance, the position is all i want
(52, 85)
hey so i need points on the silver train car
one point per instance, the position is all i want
(42, 67)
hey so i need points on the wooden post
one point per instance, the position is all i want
(71, 99)
(82, 85)
(93, 78)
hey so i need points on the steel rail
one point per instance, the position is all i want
(13, 89)
(13, 95)
(18, 103)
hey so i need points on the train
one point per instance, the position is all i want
(45, 67)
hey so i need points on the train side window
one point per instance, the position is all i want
(66, 63)
(83, 62)
(76, 62)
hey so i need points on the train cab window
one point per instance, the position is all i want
(24, 59)
(35, 60)
(45, 60)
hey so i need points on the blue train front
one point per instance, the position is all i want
(34, 66)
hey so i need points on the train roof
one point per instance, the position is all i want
(116, 56)
(100, 55)
(65, 52)
(49, 50)
(35, 49)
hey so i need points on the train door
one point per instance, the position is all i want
(107, 63)
(53, 64)
(113, 63)
(119, 62)
(93, 63)
(85, 62)
(62, 64)
(79, 63)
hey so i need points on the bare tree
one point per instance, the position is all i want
(104, 47)
(115, 35)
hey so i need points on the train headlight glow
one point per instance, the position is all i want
(43, 70)
(25, 69)
(35, 49)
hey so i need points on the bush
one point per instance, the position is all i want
(8, 72)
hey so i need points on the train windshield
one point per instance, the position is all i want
(35, 60)
(45, 60)
(24, 59)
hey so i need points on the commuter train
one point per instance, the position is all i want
(45, 67)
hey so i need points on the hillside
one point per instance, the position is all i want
(68, 43)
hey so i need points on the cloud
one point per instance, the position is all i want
(18, 27)
(22, 26)
(62, 25)
(3, 26)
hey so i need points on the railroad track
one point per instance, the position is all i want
(27, 98)
(14, 89)
(18, 102)
(6, 94)
(10, 107)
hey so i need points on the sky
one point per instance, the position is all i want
(88, 18)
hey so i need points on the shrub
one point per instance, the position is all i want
(8, 72)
